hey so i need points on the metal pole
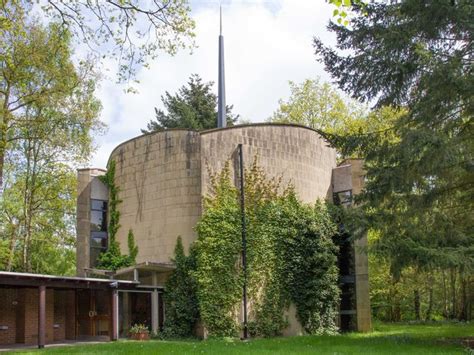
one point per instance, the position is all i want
(244, 237)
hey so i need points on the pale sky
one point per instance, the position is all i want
(267, 43)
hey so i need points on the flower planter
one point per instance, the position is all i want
(140, 336)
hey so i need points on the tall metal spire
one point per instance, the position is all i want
(221, 108)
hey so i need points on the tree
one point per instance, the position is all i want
(193, 107)
(180, 297)
(319, 106)
(129, 31)
(420, 188)
(48, 117)
(40, 86)
(323, 108)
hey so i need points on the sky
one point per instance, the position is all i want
(267, 44)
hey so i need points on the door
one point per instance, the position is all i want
(93, 313)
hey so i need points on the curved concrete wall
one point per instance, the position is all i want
(162, 176)
(159, 176)
(296, 153)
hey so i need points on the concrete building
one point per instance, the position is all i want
(162, 178)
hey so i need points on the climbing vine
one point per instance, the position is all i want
(180, 297)
(218, 247)
(112, 258)
(291, 258)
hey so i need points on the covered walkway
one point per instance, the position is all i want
(36, 310)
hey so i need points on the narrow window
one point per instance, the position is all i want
(99, 237)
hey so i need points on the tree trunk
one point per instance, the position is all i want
(445, 296)
(463, 290)
(452, 284)
(416, 298)
(395, 310)
(429, 311)
(4, 116)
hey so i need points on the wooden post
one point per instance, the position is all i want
(42, 317)
(114, 317)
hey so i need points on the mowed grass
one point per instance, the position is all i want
(436, 338)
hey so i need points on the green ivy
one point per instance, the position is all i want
(180, 297)
(310, 270)
(218, 252)
(291, 258)
(112, 258)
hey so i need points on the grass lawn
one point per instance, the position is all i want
(436, 338)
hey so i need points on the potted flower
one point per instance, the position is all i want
(139, 332)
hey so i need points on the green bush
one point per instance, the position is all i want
(180, 297)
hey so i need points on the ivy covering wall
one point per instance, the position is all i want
(180, 297)
(291, 258)
(112, 258)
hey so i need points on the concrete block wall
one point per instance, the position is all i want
(159, 176)
(162, 177)
(296, 153)
(88, 186)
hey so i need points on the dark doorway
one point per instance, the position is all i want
(134, 308)
(93, 313)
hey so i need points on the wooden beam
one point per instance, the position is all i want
(64, 284)
(42, 316)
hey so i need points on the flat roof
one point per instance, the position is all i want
(25, 279)
(148, 266)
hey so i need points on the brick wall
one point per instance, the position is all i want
(19, 312)
(30, 318)
(70, 310)
(7, 315)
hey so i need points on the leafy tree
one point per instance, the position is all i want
(420, 188)
(320, 106)
(343, 9)
(48, 116)
(193, 107)
(38, 218)
(39, 86)
(129, 31)
(181, 303)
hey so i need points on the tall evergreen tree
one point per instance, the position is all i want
(420, 188)
(193, 107)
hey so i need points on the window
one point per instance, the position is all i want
(343, 198)
(99, 237)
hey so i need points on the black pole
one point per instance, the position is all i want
(244, 238)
